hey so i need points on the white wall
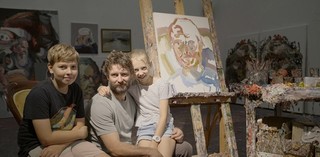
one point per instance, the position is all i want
(122, 14)
(234, 19)
(242, 17)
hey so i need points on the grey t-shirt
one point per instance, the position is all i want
(108, 115)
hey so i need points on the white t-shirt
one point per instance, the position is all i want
(148, 99)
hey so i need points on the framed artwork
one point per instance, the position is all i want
(115, 39)
(185, 53)
(84, 37)
(25, 38)
(89, 77)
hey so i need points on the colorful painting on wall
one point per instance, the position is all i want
(84, 37)
(185, 53)
(25, 37)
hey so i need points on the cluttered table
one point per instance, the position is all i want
(255, 95)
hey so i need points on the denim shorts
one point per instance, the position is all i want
(147, 131)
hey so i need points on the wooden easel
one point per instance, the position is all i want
(202, 136)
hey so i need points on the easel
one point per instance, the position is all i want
(202, 136)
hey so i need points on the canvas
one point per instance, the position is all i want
(84, 37)
(185, 53)
(115, 39)
(25, 37)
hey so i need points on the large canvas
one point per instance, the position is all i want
(185, 53)
(25, 37)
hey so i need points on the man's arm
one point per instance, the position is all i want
(118, 148)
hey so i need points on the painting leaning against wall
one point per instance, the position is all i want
(25, 37)
(185, 53)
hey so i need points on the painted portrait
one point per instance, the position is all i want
(25, 37)
(84, 37)
(89, 75)
(185, 53)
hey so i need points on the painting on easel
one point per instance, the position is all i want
(185, 53)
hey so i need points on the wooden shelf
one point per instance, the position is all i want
(199, 99)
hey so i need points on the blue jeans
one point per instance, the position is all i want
(146, 132)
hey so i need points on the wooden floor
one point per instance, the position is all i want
(9, 127)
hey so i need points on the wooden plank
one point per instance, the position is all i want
(251, 126)
(179, 101)
(226, 123)
(201, 142)
(150, 46)
(208, 127)
(222, 135)
(179, 7)
(213, 122)
(208, 12)
(198, 130)
(149, 34)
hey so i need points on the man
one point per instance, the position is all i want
(112, 118)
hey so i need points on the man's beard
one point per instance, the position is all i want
(119, 89)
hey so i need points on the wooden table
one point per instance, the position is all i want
(289, 95)
(202, 136)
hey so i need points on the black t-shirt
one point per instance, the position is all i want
(45, 102)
